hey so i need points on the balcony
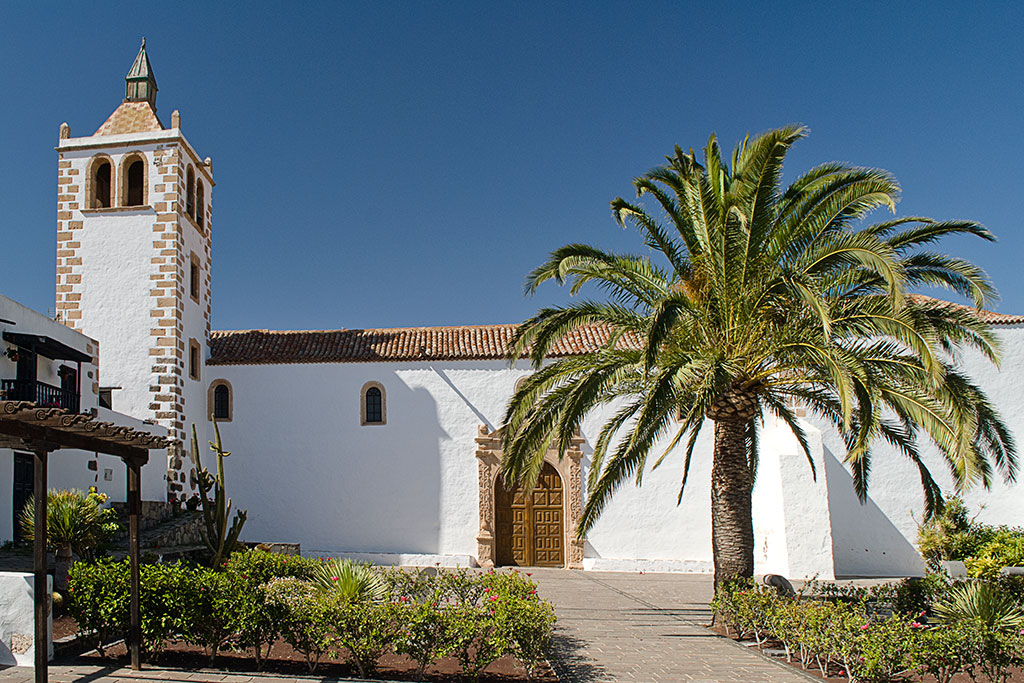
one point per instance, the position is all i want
(40, 393)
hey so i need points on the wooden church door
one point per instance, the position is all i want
(529, 528)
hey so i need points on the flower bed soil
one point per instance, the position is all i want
(285, 660)
(834, 677)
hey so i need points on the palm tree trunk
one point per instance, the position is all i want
(732, 527)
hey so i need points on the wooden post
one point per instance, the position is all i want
(42, 608)
(134, 508)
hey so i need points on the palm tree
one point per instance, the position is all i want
(759, 298)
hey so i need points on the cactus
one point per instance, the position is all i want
(220, 539)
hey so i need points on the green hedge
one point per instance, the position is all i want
(865, 635)
(259, 597)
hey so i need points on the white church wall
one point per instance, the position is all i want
(309, 472)
(895, 485)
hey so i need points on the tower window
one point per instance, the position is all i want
(373, 405)
(190, 193)
(194, 277)
(220, 400)
(200, 202)
(194, 360)
(101, 186)
(135, 194)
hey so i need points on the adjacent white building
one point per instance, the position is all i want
(381, 444)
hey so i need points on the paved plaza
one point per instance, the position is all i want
(611, 627)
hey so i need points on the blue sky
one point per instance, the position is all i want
(407, 164)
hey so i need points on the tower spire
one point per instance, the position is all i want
(140, 84)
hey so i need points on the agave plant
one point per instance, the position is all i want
(351, 581)
(982, 602)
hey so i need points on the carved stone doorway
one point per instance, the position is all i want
(547, 517)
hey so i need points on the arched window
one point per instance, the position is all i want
(374, 410)
(190, 192)
(101, 186)
(133, 180)
(221, 401)
(200, 203)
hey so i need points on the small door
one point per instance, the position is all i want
(24, 474)
(529, 528)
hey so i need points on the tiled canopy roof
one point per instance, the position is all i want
(990, 317)
(482, 342)
(131, 117)
(479, 342)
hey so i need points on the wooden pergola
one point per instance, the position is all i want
(27, 426)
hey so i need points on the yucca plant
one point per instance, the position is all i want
(982, 602)
(76, 522)
(351, 581)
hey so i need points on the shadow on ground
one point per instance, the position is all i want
(571, 662)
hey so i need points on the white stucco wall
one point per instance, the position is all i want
(17, 619)
(69, 468)
(309, 472)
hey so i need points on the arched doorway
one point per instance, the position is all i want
(529, 527)
(568, 502)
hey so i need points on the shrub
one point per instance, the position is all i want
(1005, 549)
(366, 630)
(98, 599)
(307, 617)
(527, 626)
(426, 631)
(257, 566)
(948, 649)
(214, 600)
(478, 639)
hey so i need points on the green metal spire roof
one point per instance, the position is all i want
(141, 69)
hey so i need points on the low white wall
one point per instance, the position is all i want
(17, 619)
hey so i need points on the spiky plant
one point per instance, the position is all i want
(758, 297)
(76, 522)
(350, 581)
(982, 601)
(219, 531)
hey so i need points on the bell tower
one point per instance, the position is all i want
(134, 222)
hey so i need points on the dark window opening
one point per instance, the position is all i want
(193, 361)
(190, 193)
(107, 399)
(221, 402)
(101, 181)
(374, 405)
(136, 178)
(194, 280)
(200, 203)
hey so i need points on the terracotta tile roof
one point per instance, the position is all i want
(131, 117)
(483, 342)
(990, 317)
(471, 342)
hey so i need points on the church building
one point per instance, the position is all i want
(384, 444)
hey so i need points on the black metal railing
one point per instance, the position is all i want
(40, 393)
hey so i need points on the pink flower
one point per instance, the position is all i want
(916, 625)
(334, 578)
(865, 627)
(493, 598)
(487, 590)
(529, 574)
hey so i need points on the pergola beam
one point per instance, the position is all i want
(44, 430)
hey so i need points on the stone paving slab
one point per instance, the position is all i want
(616, 626)
(611, 627)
